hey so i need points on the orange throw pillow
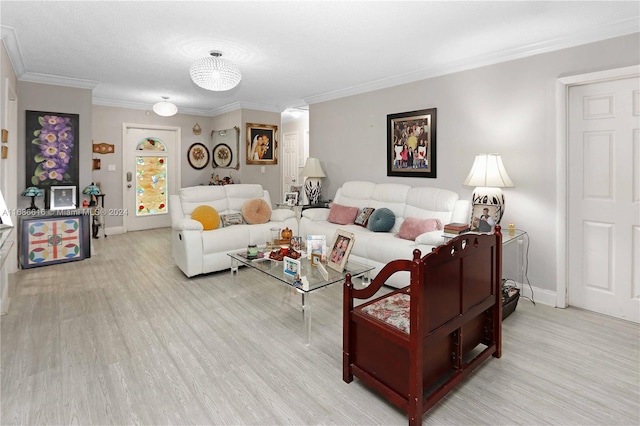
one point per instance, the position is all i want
(207, 216)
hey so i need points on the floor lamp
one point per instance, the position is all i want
(313, 185)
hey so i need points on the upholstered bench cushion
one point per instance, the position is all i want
(393, 310)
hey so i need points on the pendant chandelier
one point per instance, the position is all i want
(164, 108)
(214, 73)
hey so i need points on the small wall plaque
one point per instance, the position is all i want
(104, 148)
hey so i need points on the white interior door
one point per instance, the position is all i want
(290, 161)
(152, 172)
(604, 198)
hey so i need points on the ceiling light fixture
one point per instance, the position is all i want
(214, 73)
(164, 108)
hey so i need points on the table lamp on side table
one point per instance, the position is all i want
(488, 175)
(92, 190)
(313, 185)
(32, 192)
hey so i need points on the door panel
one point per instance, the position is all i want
(151, 173)
(290, 161)
(604, 211)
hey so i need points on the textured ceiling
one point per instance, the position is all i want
(290, 53)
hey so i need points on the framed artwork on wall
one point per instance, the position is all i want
(226, 148)
(411, 144)
(52, 147)
(198, 156)
(262, 144)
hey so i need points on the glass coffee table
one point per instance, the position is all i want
(310, 278)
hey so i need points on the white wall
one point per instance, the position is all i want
(508, 108)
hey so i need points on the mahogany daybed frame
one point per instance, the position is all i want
(452, 323)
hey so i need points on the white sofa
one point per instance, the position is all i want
(197, 251)
(379, 248)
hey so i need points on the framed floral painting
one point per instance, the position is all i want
(52, 140)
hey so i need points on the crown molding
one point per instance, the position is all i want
(58, 81)
(145, 106)
(10, 42)
(616, 29)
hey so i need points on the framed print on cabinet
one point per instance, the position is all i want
(262, 144)
(62, 198)
(411, 144)
(198, 156)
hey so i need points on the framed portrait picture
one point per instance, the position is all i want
(291, 198)
(340, 249)
(198, 156)
(63, 197)
(484, 218)
(411, 144)
(262, 144)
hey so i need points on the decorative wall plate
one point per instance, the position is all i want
(222, 155)
(198, 156)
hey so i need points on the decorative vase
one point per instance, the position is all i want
(313, 188)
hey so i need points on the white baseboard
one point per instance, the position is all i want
(540, 295)
(114, 230)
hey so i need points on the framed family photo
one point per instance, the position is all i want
(484, 218)
(262, 144)
(340, 249)
(411, 144)
(291, 198)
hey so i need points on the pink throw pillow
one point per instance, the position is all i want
(412, 227)
(342, 215)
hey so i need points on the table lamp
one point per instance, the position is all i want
(313, 185)
(32, 192)
(488, 175)
(92, 190)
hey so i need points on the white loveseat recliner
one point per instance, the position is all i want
(379, 248)
(197, 251)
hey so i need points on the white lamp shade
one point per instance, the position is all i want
(165, 109)
(488, 170)
(215, 74)
(312, 169)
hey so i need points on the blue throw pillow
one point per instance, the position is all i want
(381, 220)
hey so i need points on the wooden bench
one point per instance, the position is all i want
(414, 345)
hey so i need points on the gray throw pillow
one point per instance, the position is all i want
(381, 220)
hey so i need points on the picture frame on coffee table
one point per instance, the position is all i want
(291, 267)
(340, 249)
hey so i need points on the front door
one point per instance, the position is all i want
(152, 173)
(604, 198)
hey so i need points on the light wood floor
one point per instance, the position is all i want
(125, 338)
